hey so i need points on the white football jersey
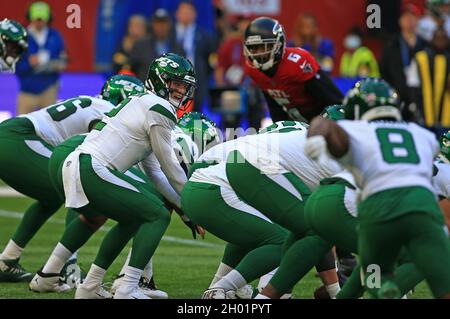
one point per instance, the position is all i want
(277, 153)
(123, 140)
(441, 181)
(57, 122)
(385, 155)
(216, 155)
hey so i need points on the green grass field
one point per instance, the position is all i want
(183, 267)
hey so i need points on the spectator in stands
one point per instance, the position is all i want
(198, 45)
(137, 29)
(434, 67)
(307, 36)
(230, 73)
(38, 70)
(231, 60)
(397, 65)
(221, 22)
(160, 40)
(437, 15)
(357, 60)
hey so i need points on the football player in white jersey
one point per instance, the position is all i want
(192, 126)
(27, 143)
(391, 162)
(93, 182)
(257, 187)
(76, 233)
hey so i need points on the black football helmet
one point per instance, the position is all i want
(264, 43)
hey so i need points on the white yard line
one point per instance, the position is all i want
(17, 215)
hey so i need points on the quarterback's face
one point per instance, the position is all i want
(177, 89)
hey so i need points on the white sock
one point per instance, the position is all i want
(260, 296)
(57, 259)
(94, 277)
(148, 270)
(264, 280)
(333, 290)
(74, 256)
(12, 251)
(125, 265)
(231, 281)
(221, 271)
(132, 276)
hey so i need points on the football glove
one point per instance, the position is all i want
(315, 147)
(196, 229)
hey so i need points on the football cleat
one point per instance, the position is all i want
(96, 292)
(116, 284)
(149, 288)
(245, 292)
(127, 292)
(12, 271)
(146, 286)
(48, 283)
(218, 293)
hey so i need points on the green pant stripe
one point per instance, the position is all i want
(232, 200)
(267, 196)
(39, 148)
(285, 183)
(114, 177)
(259, 240)
(134, 176)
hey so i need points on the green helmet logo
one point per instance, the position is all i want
(172, 77)
(118, 87)
(13, 42)
(372, 99)
(334, 112)
(444, 142)
(201, 129)
(284, 126)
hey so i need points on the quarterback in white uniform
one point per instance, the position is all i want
(93, 181)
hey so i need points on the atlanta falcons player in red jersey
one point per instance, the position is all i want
(293, 84)
(295, 89)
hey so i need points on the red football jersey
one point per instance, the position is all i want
(286, 87)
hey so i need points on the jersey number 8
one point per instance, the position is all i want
(397, 146)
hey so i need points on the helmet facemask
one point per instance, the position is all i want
(265, 53)
(13, 43)
(12, 51)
